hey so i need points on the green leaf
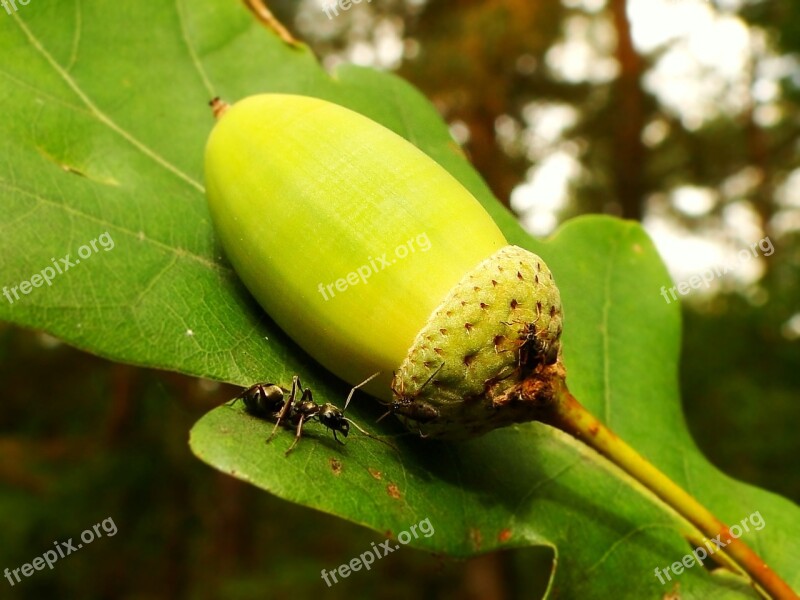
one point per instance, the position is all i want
(104, 131)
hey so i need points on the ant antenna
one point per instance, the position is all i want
(356, 425)
(365, 382)
(369, 435)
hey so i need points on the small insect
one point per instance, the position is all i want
(408, 406)
(532, 348)
(271, 401)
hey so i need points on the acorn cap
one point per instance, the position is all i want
(498, 327)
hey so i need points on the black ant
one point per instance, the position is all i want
(268, 401)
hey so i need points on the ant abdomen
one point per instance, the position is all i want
(263, 400)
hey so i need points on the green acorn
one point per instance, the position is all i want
(374, 258)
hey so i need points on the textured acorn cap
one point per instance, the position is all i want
(464, 373)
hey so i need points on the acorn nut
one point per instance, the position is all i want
(372, 257)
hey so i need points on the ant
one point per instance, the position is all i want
(531, 347)
(268, 401)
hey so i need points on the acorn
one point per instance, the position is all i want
(372, 257)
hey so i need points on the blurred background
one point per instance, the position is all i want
(681, 114)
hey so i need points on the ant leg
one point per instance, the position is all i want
(307, 395)
(287, 406)
(297, 436)
(240, 396)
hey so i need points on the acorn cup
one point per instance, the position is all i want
(372, 258)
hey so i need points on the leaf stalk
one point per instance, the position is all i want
(569, 415)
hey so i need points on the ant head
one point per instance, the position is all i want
(333, 418)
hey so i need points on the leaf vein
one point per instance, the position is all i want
(100, 115)
(223, 271)
(192, 52)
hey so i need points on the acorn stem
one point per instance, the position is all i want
(219, 107)
(570, 416)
